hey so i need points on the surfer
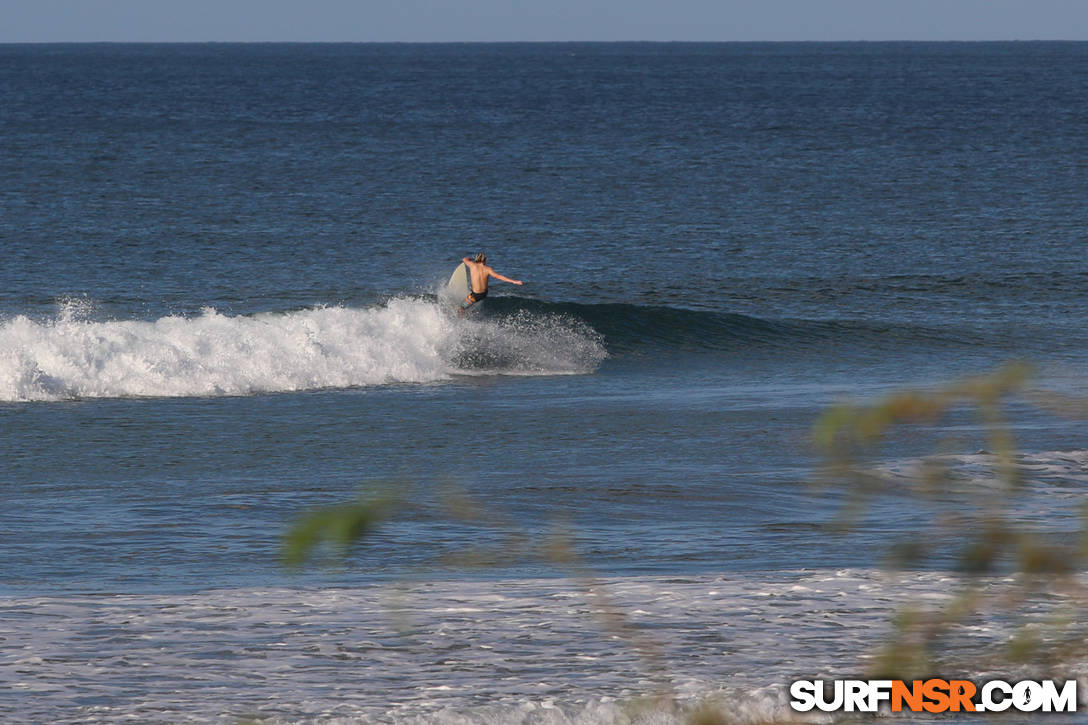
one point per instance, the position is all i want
(480, 273)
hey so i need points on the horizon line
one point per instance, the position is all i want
(535, 42)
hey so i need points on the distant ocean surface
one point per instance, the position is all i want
(220, 308)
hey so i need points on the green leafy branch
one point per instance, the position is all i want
(991, 541)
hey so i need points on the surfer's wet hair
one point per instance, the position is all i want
(481, 257)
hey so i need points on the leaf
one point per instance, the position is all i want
(336, 528)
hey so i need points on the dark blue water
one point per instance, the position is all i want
(219, 297)
(719, 241)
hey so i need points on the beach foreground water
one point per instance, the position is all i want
(515, 651)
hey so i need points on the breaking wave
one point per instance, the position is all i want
(403, 341)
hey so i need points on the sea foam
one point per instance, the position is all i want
(468, 652)
(404, 341)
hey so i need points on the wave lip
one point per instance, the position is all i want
(212, 354)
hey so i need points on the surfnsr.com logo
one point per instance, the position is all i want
(933, 696)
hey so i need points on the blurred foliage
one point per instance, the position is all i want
(1002, 564)
(334, 530)
(1008, 569)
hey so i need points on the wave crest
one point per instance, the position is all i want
(213, 354)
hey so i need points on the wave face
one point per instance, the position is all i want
(640, 329)
(213, 354)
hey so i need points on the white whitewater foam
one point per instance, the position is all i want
(402, 341)
(511, 652)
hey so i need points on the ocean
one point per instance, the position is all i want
(220, 309)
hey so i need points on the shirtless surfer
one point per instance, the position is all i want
(480, 273)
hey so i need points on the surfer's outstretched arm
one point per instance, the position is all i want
(498, 276)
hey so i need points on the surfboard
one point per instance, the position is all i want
(459, 283)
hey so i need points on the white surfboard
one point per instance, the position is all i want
(459, 283)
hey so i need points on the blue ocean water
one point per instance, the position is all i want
(219, 308)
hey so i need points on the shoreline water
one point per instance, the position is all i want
(454, 651)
